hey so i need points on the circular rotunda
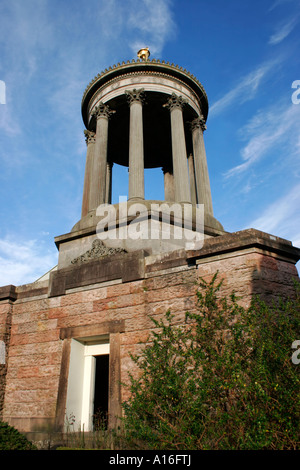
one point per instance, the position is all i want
(146, 113)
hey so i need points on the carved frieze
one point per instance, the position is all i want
(98, 250)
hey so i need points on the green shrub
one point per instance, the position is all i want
(223, 380)
(12, 439)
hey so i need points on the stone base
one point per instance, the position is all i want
(153, 226)
(114, 296)
(129, 210)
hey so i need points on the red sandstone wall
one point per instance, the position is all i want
(5, 328)
(35, 350)
(251, 274)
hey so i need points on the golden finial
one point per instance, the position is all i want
(143, 53)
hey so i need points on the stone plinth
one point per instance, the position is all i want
(153, 226)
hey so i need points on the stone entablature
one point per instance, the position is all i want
(154, 82)
(154, 66)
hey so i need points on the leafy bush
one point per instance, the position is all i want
(223, 380)
(12, 439)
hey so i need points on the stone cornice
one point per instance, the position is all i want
(154, 65)
(249, 238)
(8, 293)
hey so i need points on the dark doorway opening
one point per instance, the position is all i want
(100, 416)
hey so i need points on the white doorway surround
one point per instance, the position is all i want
(81, 383)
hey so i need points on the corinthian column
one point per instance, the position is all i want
(201, 172)
(180, 168)
(136, 145)
(98, 183)
(90, 142)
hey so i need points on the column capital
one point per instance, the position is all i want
(199, 122)
(135, 95)
(90, 137)
(175, 101)
(102, 110)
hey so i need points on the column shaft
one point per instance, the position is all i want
(136, 146)
(192, 179)
(98, 183)
(90, 141)
(200, 163)
(169, 185)
(180, 167)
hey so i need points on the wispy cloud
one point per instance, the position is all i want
(269, 129)
(111, 18)
(245, 90)
(138, 23)
(278, 3)
(25, 34)
(24, 261)
(8, 123)
(282, 216)
(283, 31)
(152, 23)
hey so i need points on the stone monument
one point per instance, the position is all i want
(66, 339)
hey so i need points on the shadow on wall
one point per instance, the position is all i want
(274, 279)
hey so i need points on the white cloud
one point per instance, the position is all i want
(8, 123)
(269, 129)
(137, 23)
(25, 32)
(25, 36)
(24, 261)
(283, 31)
(282, 217)
(245, 90)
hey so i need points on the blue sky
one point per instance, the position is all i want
(246, 55)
